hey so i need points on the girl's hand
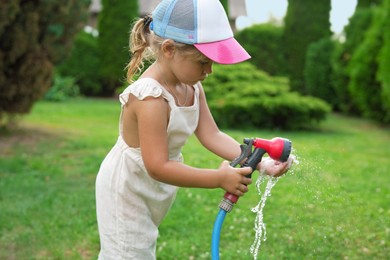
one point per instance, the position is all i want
(274, 168)
(233, 180)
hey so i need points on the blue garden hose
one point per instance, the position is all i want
(228, 202)
(216, 234)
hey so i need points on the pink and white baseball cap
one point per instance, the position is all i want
(202, 23)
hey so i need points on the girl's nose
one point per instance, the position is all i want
(208, 68)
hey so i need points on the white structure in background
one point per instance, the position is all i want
(147, 6)
(244, 13)
(340, 13)
(236, 8)
(261, 11)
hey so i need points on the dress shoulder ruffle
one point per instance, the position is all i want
(141, 89)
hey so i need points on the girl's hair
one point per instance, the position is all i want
(145, 45)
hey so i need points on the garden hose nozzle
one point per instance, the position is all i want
(277, 148)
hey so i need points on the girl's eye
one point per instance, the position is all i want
(204, 62)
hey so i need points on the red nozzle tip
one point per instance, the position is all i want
(277, 148)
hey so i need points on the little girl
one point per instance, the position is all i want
(138, 179)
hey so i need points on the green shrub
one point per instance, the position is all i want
(264, 43)
(240, 95)
(318, 70)
(62, 89)
(83, 64)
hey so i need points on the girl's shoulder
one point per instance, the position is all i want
(142, 88)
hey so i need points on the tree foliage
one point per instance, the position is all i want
(364, 86)
(83, 64)
(354, 36)
(114, 24)
(361, 67)
(264, 43)
(34, 36)
(368, 3)
(306, 22)
(383, 73)
(318, 70)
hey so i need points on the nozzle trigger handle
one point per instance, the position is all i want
(254, 159)
(246, 151)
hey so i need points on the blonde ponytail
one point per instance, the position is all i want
(139, 44)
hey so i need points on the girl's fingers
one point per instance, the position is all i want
(245, 170)
(246, 181)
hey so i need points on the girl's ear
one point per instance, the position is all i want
(168, 48)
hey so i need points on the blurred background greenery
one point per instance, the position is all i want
(62, 66)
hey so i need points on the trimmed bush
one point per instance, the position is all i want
(62, 89)
(242, 96)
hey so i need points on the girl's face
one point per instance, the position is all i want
(190, 68)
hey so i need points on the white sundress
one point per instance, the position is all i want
(129, 203)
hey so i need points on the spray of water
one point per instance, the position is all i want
(259, 227)
(260, 230)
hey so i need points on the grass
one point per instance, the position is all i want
(334, 204)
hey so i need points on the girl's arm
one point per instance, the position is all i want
(211, 137)
(152, 119)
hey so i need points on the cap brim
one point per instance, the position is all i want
(228, 51)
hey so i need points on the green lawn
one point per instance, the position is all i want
(335, 204)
